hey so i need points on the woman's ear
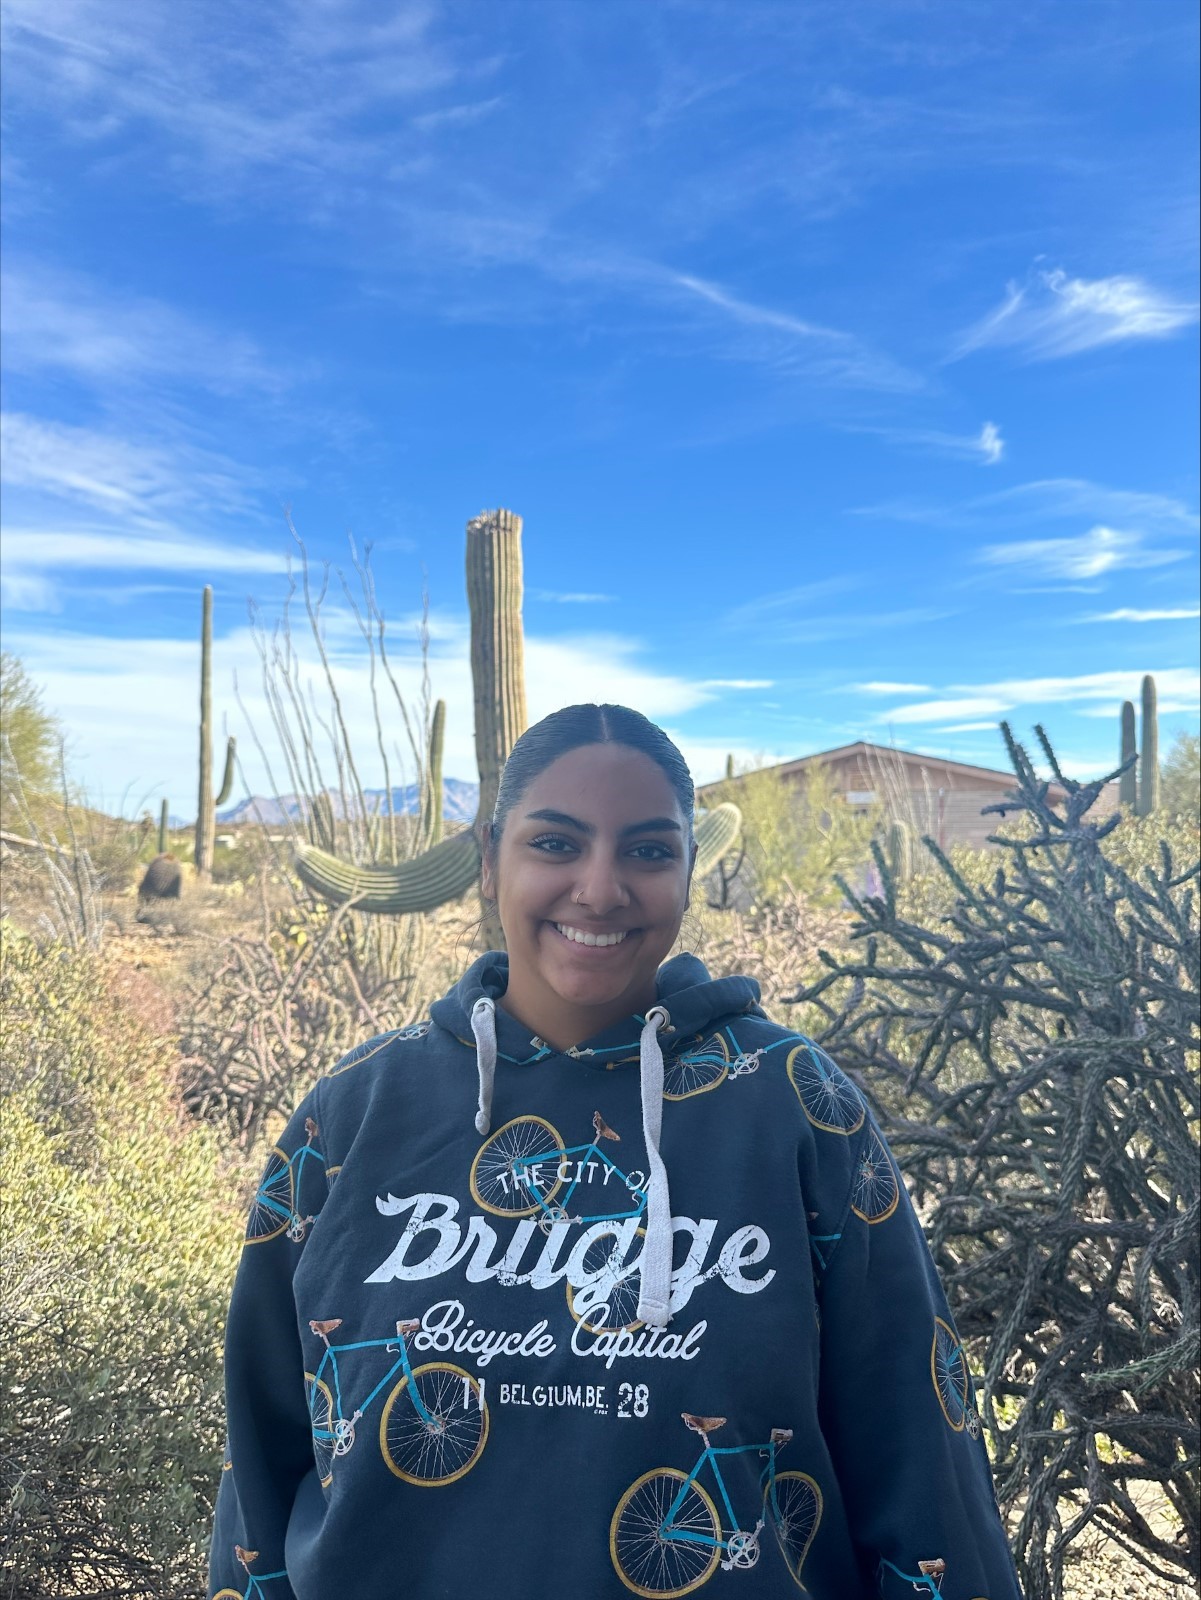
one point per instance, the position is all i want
(487, 868)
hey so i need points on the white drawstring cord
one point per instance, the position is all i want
(483, 1025)
(654, 1297)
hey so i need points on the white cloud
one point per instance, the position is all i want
(968, 727)
(570, 598)
(1129, 614)
(1088, 555)
(64, 322)
(1053, 315)
(1047, 500)
(1179, 686)
(986, 447)
(885, 687)
(119, 699)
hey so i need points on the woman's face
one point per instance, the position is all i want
(591, 882)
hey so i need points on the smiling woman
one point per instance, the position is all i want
(502, 1220)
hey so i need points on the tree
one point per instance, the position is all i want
(29, 734)
(1180, 777)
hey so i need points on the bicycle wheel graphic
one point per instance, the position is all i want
(695, 1070)
(795, 1509)
(498, 1183)
(651, 1563)
(321, 1420)
(948, 1370)
(830, 1100)
(617, 1287)
(436, 1451)
(876, 1190)
(271, 1209)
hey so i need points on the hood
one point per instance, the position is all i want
(693, 1000)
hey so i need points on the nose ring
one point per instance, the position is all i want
(575, 899)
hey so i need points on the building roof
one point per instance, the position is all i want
(1004, 781)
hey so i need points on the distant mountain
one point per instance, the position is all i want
(459, 801)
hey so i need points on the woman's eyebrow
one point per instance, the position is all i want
(563, 820)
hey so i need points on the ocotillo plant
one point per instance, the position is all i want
(447, 869)
(1128, 783)
(1148, 761)
(206, 805)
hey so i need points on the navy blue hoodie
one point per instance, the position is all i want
(452, 1368)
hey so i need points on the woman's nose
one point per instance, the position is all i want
(601, 888)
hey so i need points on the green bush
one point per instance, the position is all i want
(121, 1235)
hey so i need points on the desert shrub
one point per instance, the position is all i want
(1033, 1051)
(1180, 777)
(795, 838)
(121, 1234)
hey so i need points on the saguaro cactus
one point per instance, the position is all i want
(1128, 784)
(447, 868)
(900, 851)
(207, 803)
(432, 818)
(163, 827)
(1148, 761)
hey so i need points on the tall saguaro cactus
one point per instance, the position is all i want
(1128, 784)
(494, 588)
(164, 822)
(207, 803)
(1148, 761)
(447, 868)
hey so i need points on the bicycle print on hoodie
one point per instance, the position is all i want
(423, 1306)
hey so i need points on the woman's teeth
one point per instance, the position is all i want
(578, 936)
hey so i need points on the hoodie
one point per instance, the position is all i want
(648, 1315)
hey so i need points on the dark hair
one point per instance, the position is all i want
(574, 726)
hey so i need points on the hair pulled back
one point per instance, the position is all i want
(574, 726)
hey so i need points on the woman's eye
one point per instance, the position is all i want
(552, 844)
(657, 852)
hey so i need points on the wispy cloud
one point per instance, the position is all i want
(974, 701)
(987, 447)
(1046, 500)
(823, 353)
(459, 116)
(1129, 614)
(887, 687)
(571, 598)
(1100, 550)
(1053, 315)
(63, 322)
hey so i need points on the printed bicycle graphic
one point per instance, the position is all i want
(667, 1536)
(508, 1176)
(829, 1098)
(876, 1190)
(276, 1207)
(434, 1423)
(716, 1060)
(254, 1586)
(952, 1380)
(926, 1580)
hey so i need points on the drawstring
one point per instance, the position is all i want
(483, 1025)
(654, 1297)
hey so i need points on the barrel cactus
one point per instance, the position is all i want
(447, 868)
(162, 879)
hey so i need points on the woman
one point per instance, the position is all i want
(598, 1281)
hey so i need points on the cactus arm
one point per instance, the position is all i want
(1148, 761)
(442, 873)
(1128, 786)
(433, 831)
(716, 834)
(227, 777)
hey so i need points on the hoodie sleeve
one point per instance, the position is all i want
(898, 1406)
(269, 1447)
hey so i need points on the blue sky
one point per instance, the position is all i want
(841, 359)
